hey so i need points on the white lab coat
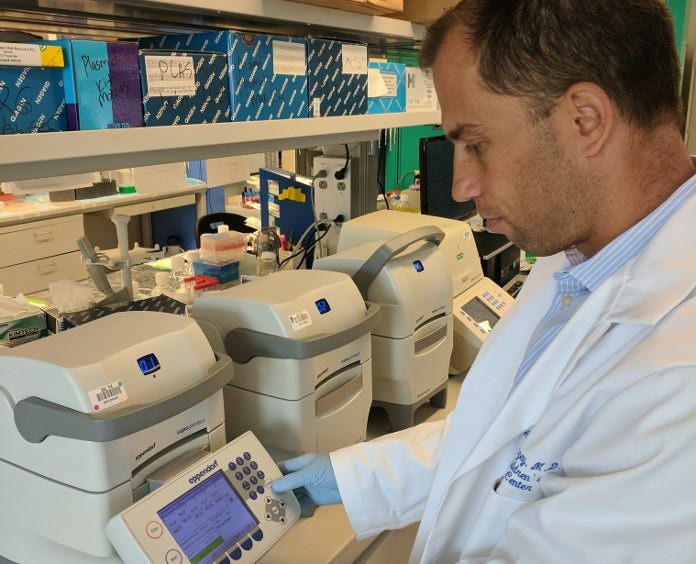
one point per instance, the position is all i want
(604, 473)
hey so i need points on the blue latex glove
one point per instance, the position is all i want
(312, 472)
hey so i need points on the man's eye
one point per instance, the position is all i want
(472, 147)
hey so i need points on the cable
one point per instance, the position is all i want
(341, 174)
(381, 164)
(311, 247)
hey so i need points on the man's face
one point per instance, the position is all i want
(513, 167)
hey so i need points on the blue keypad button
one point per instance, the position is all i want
(240, 460)
(246, 486)
(232, 466)
(246, 544)
(261, 475)
(247, 456)
(260, 489)
(224, 560)
(253, 495)
(253, 464)
(239, 476)
(254, 480)
(257, 535)
(236, 554)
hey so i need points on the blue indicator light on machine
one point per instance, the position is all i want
(148, 364)
(323, 306)
(418, 265)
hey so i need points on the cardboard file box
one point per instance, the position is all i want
(32, 100)
(267, 73)
(337, 78)
(102, 84)
(182, 88)
(386, 91)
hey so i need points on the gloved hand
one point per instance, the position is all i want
(312, 472)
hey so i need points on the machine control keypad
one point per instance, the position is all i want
(227, 486)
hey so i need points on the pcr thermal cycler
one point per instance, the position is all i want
(478, 301)
(300, 345)
(94, 417)
(411, 346)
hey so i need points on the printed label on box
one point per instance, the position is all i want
(170, 76)
(391, 82)
(354, 59)
(30, 55)
(420, 91)
(300, 320)
(107, 396)
(289, 58)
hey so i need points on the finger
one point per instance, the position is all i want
(288, 482)
(295, 464)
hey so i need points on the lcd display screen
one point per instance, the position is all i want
(323, 306)
(208, 519)
(481, 313)
(148, 364)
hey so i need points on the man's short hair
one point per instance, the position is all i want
(537, 49)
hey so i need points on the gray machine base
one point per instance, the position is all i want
(401, 416)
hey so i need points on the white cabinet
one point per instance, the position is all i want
(32, 255)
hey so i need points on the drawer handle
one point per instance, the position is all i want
(42, 236)
(46, 267)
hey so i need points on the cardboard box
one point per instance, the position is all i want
(336, 78)
(267, 73)
(106, 82)
(387, 88)
(374, 7)
(419, 11)
(182, 88)
(32, 100)
(22, 328)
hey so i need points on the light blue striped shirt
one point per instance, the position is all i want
(582, 276)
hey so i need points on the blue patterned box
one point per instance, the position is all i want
(31, 100)
(386, 92)
(182, 88)
(106, 83)
(267, 73)
(337, 73)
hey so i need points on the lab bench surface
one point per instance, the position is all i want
(39, 206)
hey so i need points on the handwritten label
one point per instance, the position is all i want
(354, 59)
(289, 58)
(170, 76)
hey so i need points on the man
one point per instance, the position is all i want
(574, 436)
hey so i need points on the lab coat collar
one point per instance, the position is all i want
(637, 301)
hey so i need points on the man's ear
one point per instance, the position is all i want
(592, 114)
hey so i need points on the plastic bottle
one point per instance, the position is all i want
(267, 251)
(178, 272)
(161, 283)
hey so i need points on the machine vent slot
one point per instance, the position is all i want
(429, 340)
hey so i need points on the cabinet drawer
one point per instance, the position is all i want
(36, 275)
(39, 239)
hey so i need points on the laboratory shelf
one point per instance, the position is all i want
(290, 13)
(42, 155)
